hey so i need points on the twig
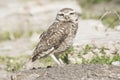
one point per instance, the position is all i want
(117, 14)
(106, 13)
(110, 12)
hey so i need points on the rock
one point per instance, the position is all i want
(97, 52)
(74, 59)
(117, 28)
(116, 63)
(109, 54)
(88, 56)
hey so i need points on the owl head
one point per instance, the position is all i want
(67, 15)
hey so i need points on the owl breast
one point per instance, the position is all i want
(68, 31)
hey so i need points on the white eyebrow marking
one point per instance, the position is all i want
(60, 12)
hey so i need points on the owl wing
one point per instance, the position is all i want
(50, 40)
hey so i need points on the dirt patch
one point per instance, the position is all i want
(71, 72)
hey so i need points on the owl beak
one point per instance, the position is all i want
(66, 17)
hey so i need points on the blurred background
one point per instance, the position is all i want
(22, 22)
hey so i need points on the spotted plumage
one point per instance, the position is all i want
(59, 36)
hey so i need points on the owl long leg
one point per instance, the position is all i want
(55, 59)
(61, 61)
(63, 47)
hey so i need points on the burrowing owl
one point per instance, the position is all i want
(59, 36)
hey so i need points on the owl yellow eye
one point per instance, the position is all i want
(61, 14)
(71, 13)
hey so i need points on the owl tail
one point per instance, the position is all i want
(35, 57)
(30, 62)
(40, 54)
(28, 65)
